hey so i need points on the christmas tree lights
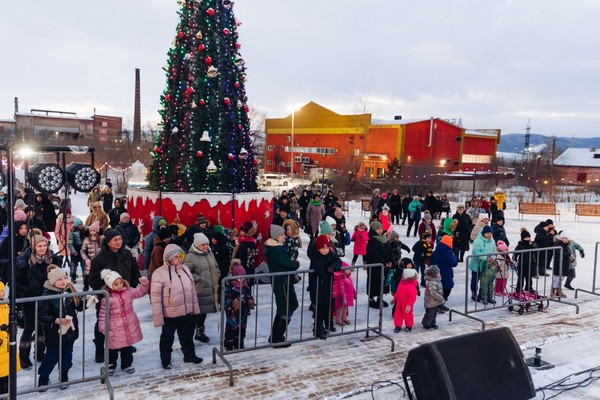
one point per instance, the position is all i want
(205, 143)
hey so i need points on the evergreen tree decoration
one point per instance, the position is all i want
(204, 107)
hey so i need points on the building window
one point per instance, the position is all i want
(476, 159)
(102, 131)
(270, 147)
(103, 139)
(104, 124)
(297, 159)
(581, 177)
(305, 160)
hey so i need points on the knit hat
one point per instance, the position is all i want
(432, 271)
(246, 226)
(500, 218)
(110, 234)
(322, 241)
(409, 273)
(56, 274)
(325, 228)
(77, 221)
(20, 215)
(549, 221)
(425, 235)
(95, 227)
(201, 219)
(37, 239)
(427, 216)
(172, 250)
(276, 231)
(375, 225)
(123, 216)
(109, 277)
(447, 240)
(525, 234)
(28, 209)
(219, 228)
(543, 224)
(384, 195)
(237, 269)
(486, 229)
(200, 238)
(498, 190)
(331, 221)
(394, 235)
(501, 245)
(406, 262)
(161, 222)
(20, 204)
(163, 233)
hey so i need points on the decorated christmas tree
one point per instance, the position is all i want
(204, 144)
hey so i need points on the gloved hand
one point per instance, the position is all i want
(582, 254)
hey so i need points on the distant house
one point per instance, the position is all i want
(578, 166)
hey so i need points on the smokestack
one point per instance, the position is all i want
(16, 105)
(137, 116)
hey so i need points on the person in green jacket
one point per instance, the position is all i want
(483, 244)
(286, 301)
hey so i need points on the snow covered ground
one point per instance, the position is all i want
(347, 366)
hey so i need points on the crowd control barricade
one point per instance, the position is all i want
(526, 285)
(259, 321)
(595, 291)
(79, 373)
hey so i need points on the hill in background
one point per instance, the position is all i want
(515, 143)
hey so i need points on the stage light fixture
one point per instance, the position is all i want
(82, 177)
(46, 177)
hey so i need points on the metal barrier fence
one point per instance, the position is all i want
(297, 329)
(594, 288)
(102, 376)
(524, 286)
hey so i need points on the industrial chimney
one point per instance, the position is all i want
(137, 117)
(16, 105)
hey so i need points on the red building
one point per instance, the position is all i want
(357, 144)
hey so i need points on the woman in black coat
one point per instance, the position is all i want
(462, 233)
(377, 253)
(45, 206)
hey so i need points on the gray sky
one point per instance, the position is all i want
(492, 64)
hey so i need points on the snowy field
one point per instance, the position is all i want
(347, 366)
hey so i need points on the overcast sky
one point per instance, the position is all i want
(491, 64)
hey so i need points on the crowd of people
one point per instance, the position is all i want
(180, 268)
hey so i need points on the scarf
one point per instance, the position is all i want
(315, 203)
(45, 258)
(381, 238)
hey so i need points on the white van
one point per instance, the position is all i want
(274, 180)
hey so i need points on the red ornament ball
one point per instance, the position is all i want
(201, 47)
(180, 34)
(199, 154)
(237, 45)
(210, 11)
(246, 108)
(237, 84)
(225, 31)
(230, 157)
(255, 161)
(168, 97)
(157, 150)
(240, 127)
(208, 60)
(202, 102)
(226, 100)
(189, 90)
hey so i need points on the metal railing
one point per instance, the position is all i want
(298, 328)
(85, 377)
(594, 290)
(525, 286)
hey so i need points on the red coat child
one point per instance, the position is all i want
(404, 299)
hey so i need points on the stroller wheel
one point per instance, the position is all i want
(540, 306)
(521, 311)
(510, 308)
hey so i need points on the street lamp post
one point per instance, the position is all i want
(292, 148)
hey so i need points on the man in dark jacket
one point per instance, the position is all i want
(116, 257)
(405, 202)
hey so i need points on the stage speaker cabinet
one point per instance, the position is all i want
(483, 365)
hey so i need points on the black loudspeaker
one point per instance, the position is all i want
(483, 365)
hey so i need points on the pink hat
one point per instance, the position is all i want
(501, 246)
(20, 215)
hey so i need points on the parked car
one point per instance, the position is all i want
(274, 180)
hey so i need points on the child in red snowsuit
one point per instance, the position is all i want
(405, 298)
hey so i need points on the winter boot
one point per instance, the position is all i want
(560, 293)
(24, 350)
(40, 348)
(43, 381)
(64, 377)
(568, 284)
(86, 283)
(200, 336)
(553, 293)
(278, 332)
(474, 296)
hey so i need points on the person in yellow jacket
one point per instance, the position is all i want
(4, 347)
(500, 198)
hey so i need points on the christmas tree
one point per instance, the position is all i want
(204, 144)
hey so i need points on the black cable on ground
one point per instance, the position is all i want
(562, 387)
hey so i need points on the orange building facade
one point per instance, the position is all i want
(314, 137)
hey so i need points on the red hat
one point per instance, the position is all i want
(322, 241)
(447, 240)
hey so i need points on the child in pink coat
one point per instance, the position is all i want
(344, 294)
(124, 325)
(405, 298)
(360, 237)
